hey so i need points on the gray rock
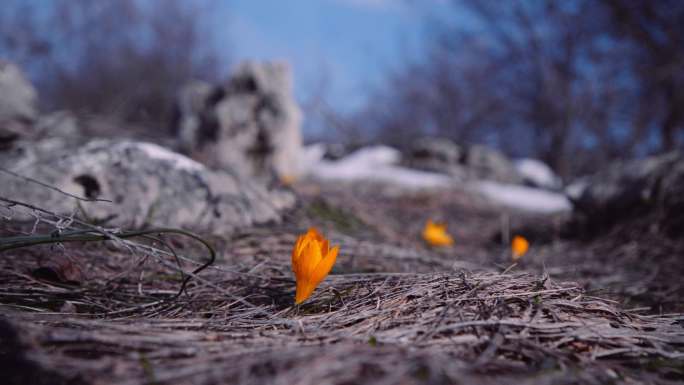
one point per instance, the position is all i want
(624, 184)
(438, 155)
(437, 149)
(148, 185)
(191, 102)
(251, 125)
(671, 199)
(474, 162)
(336, 151)
(17, 96)
(62, 124)
(485, 163)
(633, 189)
(17, 104)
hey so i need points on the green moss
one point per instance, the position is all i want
(372, 341)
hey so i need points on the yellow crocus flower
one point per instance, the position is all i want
(519, 247)
(435, 234)
(312, 259)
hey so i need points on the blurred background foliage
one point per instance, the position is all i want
(120, 58)
(574, 83)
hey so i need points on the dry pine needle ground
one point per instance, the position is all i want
(391, 312)
(238, 326)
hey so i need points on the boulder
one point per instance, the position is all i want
(462, 163)
(18, 101)
(17, 96)
(335, 151)
(438, 155)
(192, 101)
(61, 124)
(671, 199)
(632, 190)
(251, 124)
(438, 150)
(147, 184)
(486, 163)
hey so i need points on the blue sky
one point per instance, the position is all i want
(344, 44)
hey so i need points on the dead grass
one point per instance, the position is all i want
(237, 325)
(393, 312)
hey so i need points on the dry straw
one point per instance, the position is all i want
(236, 323)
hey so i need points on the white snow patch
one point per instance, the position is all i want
(310, 156)
(374, 155)
(378, 164)
(158, 152)
(537, 172)
(522, 197)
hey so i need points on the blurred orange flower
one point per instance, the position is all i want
(312, 259)
(287, 179)
(435, 234)
(519, 247)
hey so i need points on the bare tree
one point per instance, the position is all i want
(121, 58)
(655, 34)
(573, 83)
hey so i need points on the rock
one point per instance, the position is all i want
(61, 124)
(438, 155)
(671, 198)
(335, 151)
(17, 96)
(191, 104)
(148, 185)
(485, 163)
(628, 190)
(17, 104)
(251, 125)
(439, 150)
(536, 173)
(471, 163)
(623, 185)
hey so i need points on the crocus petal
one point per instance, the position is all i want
(324, 266)
(435, 234)
(312, 233)
(318, 236)
(304, 290)
(519, 247)
(296, 252)
(325, 247)
(312, 256)
(312, 260)
(298, 255)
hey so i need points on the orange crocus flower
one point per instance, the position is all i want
(312, 259)
(287, 180)
(435, 234)
(519, 247)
